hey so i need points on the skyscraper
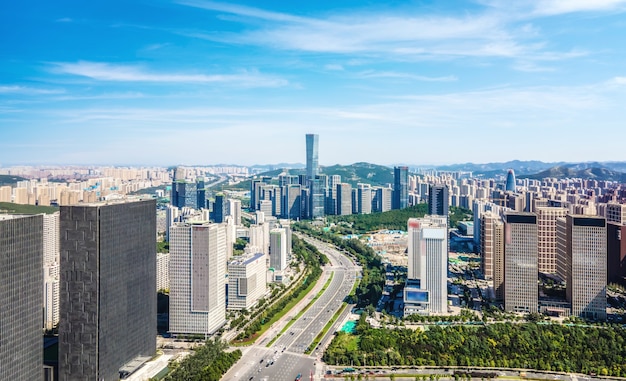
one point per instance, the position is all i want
(521, 293)
(426, 289)
(312, 156)
(316, 187)
(400, 188)
(616, 252)
(510, 181)
(219, 208)
(546, 235)
(438, 200)
(364, 198)
(108, 278)
(582, 251)
(21, 261)
(278, 249)
(51, 270)
(344, 199)
(197, 278)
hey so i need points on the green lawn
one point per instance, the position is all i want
(11, 208)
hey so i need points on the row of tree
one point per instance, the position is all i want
(208, 363)
(551, 347)
(313, 261)
(371, 285)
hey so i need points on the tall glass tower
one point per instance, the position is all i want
(316, 188)
(510, 181)
(312, 156)
(400, 188)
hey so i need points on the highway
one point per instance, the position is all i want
(285, 359)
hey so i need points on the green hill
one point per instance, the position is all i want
(10, 179)
(11, 208)
(566, 171)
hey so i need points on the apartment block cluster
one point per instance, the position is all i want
(568, 230)
(72, 186)
(97, 286)
(205, 278)
(314, 195)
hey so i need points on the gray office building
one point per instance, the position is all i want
(107, 299)
(21, 263)
(438, 200)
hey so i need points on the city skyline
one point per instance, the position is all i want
(211, 82)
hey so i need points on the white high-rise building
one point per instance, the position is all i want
(426, 290)
(521, 293)
(171, 216)
(51, 260)
(278, 249)
(234, 210)
(546, 237)
(197, 278)
(582, 259)
(247, 281)
(163, 271)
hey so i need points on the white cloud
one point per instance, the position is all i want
(409, 76)
(15, 89)
(557, 7)
(334, 67)
(493, 32)
(618, 81)
(64, 19)
(127, 73)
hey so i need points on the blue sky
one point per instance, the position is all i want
(159, 82)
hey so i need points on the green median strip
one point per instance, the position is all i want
(299, 315)
(321, 335)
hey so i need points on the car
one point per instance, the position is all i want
(261, 362)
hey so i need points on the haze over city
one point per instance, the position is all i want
(194, 82)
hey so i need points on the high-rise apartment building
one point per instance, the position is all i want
(107, 297)
(438, 200)
(197, 278)
(492, 248)
(546, 237)
(247, 281)
(21, 261)
(51, 270)
(521, 292)
(616, 213)
(426, 290)
(400, 188)
(234, 210)
(163, 271)
(582, 253)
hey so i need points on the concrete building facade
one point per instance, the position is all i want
(21, 261)
(107, 282)
(197, 278)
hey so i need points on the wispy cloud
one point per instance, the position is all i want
(486, 33)
(130, 73)
(409, 76)
(539, 8)
(64, 19)
(25, 90)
